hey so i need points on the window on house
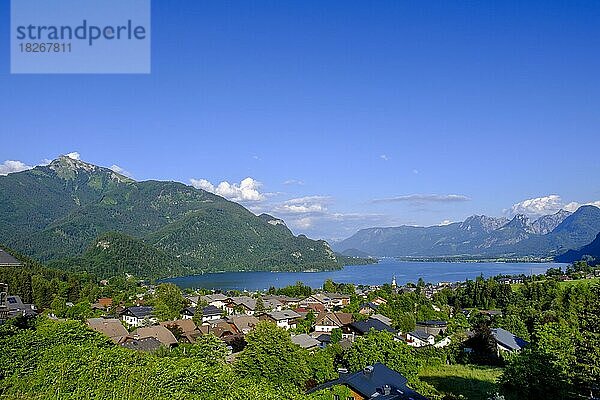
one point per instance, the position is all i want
(336, 397)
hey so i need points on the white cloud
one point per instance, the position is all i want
(74, 155)
(539, 206)
(445, 222)
(415, 171)
(304, 205)
(425, 198)
(384, 157)
(10, 166)
(573, 206)
(293, 182)
(121, 171)
(248, 190)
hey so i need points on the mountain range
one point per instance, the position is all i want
(482, 236)
(88, 217)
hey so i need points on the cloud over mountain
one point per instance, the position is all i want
(248, 190)
(10, 166)
(539, 206)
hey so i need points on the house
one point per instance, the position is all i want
(419, 339)
(359, 328)
(111, 327)
(188, 331)
(316, 308)
(209, 313)
(272, 304)
(433, 327)
(243, 323)
(241, 305)
(219, 328)
(188, 312)
(192, 300)
(105, 302)
(148, 344)
(285, 319)
(506, 341)
(138, 315)
(374, 382)
(286, 301)
(368, 308)
(328, 321)
(218, 300)
(6, 260)
(324, 339)
(306, 341)
(328, 300)
(159, 332)
(16, 307)
(382, 318)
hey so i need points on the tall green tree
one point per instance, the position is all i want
(169, 302)
(271, 355)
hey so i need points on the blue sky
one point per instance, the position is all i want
(344, 114)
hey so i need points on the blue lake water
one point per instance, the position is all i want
(375, 274)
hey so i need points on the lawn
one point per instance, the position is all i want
(576, 282)
(518, 286)
(471, 381)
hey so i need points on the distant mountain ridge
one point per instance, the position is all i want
(589, 252)
(482, 236)
(60, 210)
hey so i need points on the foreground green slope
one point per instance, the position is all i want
(58, 211)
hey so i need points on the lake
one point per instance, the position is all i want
(375, 274)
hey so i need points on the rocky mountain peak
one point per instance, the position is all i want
(68, 167)
(547, 223)
(483, 223)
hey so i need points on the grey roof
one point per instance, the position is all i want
(382, 318)
(189, 311)
(367, 325)
(508, 340)
(210, 311)
(245, 301)
(16, 307)
(284, 314)
(215, 297)
(145, 344)
(271, 303)
(305, 341)
(139, 311)
(372, 381)
(8, 260)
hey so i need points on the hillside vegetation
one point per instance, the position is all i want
(62, 210)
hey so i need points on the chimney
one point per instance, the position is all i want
(368, 370)
(387, 389)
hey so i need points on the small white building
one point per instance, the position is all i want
(137, 316)
(419, 339)
(285, 319)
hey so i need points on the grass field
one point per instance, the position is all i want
(579, 281)
(517, 286)
(471, 381)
